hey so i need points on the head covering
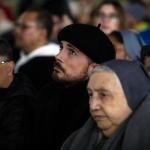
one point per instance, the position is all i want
(132, 43)
(90, 40)
(5, 49)
(134, 80)
(136, 10)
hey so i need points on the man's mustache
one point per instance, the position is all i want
(58, 65)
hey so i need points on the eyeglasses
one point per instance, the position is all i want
(111, 17)
(23, 26)
(4, 60)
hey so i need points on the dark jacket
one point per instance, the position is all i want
(17, 114)
(133, 133)
(64, 108)
(38, 70)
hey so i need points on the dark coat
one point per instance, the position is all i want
(38, 70)
(64, 108)
(16, 114)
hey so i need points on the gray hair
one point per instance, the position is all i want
(104, 68)
(100, 68)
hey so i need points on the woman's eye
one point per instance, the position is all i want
(102, 95)
(90, 95)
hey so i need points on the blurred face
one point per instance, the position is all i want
(6, 69)
(27, 33)
(147, 64)
(108, 104)
(119, 47)
(71, 64)
(56, 26)
(59, 23)
(130, 20)
(108, 18)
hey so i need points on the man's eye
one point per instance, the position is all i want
(60, 47)
(72, 52)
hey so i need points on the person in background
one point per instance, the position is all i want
(63, 104)
(81, 10)
(61, 15)
(17, 104)
(135, 20)
(115, 109)
(128, 44)
(110, 16)
(145, 57)
(32, 33)
(138, 21)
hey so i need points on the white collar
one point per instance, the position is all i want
(51, 49)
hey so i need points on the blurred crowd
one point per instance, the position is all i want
(48, 51)
(110, 15)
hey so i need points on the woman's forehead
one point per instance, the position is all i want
(104, 79)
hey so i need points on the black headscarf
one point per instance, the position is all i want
(136, 86)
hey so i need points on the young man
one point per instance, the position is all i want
(16, 104)
(64, 104)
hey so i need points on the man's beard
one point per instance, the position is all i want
(68, 77)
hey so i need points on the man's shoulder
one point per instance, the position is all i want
(40, 60)
(21, 86)
(38, 64)
(61, 90)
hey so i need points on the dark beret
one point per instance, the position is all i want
(90, 40)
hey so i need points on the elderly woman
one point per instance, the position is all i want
(119, 101)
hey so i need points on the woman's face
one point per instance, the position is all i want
(119, 47)
(108, 104)
(108, 17)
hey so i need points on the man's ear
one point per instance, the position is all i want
(10, 68)
(92, 66)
